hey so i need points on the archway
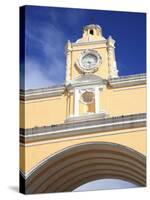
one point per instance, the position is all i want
(79, 164)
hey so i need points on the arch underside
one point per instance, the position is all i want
(79, 164)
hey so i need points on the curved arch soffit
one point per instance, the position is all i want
(82, 163)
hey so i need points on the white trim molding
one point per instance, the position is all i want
(88, 126)
(130, 80)
(112, 65)
(97, 100)
(33, 94)
(54, 91)
(76, 101)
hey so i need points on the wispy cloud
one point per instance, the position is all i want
(34, 76)
(47, 31)
(45, 64)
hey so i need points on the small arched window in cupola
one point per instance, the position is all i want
(91, 32)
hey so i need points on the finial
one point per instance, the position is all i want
(111, 41)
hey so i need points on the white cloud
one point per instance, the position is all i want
(45, 42)
(49, 68)
(34, 77)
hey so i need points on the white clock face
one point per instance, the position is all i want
(89, 61)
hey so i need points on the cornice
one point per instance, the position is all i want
(70, 86)
(54, 91)
(33, 94)
(130, 80)
(84, 127)
(104, 41)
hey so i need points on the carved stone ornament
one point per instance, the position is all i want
(87, 96)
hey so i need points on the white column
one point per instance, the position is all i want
(68, 63)
(76, 102)
(68, 60)
(97, 102)
(112, 65)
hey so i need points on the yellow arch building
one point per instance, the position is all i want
(91, 127)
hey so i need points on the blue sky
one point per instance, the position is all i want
(105, 184)
(48, 29)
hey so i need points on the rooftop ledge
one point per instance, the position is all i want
(53, 91)
(130, 80)
(83, 127)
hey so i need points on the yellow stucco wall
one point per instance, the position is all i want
(36, 152)
(123, 101)
(48, 111)
(44, 112)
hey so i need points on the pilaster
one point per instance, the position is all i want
(68, 50)
(97, 102)
(112, 65)
(76, 101)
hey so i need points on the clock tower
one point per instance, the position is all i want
(90, 62)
